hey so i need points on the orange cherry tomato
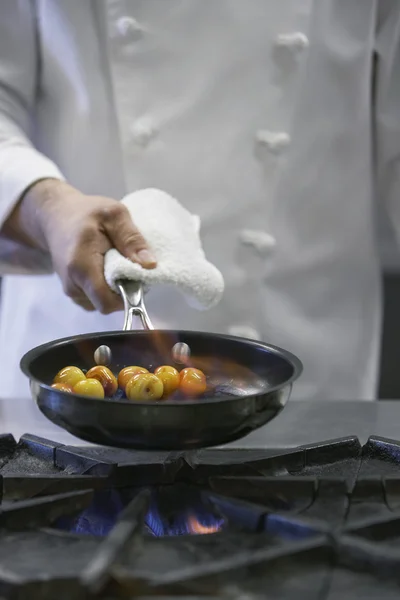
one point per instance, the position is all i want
(170, 378)
(144, 386)
(89, 387)
(70, 376)
(106, 378)
(127, 373)
(192, 382)
(62, 387)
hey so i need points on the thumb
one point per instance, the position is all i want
(125, 236)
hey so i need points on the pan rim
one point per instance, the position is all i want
(291, 358)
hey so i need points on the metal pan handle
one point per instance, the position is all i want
(133, 298)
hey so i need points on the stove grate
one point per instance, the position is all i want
(319, 522)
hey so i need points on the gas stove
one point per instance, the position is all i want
(318, 522)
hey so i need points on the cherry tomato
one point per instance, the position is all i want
(144, 386)
(70, 376)
(106, 378)
(170, 378)
(62, 387)
(126, 374)
(89, 387)
(192, 382)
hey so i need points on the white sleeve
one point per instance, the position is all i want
(21, 164)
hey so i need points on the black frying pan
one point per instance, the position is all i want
(250, 381)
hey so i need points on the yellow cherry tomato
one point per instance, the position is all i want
(70, 376)
(89, 387)
(62, 387)
(192, 382)
(144, 386)
(127, 373)
(170, 378)
(106, 378)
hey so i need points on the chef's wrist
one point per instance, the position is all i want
(26, 222)
(43, 191)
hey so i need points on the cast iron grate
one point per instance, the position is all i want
(319, 522)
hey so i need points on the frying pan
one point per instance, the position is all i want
(251, 383)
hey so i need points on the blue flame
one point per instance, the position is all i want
(99, 518)
(191, 521)
(183, 516)
(181, 510)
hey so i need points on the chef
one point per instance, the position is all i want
(266, 118)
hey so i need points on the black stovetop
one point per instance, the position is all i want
(319, 522)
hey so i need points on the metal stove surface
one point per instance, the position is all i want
(319, 522)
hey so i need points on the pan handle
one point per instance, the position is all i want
(133, 298)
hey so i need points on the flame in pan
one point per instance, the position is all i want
(223, 374)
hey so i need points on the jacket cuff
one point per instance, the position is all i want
(21, 167)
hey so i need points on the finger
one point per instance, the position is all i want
(84, 303)
(85, 278)
(77, 295)
(94, 286)
(103, 299)
(126, 237)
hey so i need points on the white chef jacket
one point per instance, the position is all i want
(223, 105)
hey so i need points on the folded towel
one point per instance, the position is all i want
(173, 235)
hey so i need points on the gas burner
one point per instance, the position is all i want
(319, 522)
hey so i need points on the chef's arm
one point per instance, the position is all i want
(21, 165)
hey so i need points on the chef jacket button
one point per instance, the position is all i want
(274, 142)
(128, 29)
(287, 50)
(294, 41)
(260, 241)
(143, 131)
(244, 331)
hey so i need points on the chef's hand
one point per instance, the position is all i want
(77, 230)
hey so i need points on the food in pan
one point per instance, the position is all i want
(62, 387)
(192, 382)
(127, 373)
(170, 378)
(89, 387)
(70, 376)
(106, 377)
(144, 386)
(133, 383)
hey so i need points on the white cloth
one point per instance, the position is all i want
(196, 98)
(173, 235)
